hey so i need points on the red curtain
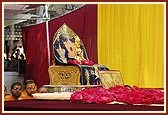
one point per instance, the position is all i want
(82, 21)
(35, 47)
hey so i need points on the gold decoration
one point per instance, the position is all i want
(110, 78)
(78, 50)
(87, 76)
(66, 31)
(64, 75)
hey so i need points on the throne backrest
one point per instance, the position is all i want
(68, 45)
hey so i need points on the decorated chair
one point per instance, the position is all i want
(71, 64)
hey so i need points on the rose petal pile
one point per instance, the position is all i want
(92, 95)
(133, 95)
(137, 95)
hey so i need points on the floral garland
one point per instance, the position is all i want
(133, 95)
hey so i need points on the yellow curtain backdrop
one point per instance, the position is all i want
(131, 39)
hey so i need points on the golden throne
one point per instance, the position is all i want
(67, 46)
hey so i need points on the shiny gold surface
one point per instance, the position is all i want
(110, 78)
(64, 75)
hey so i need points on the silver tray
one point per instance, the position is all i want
(67, 88)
